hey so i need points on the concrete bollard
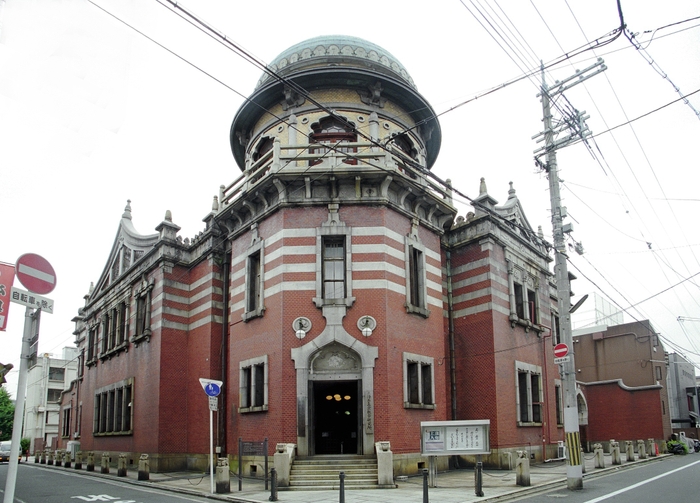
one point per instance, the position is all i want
(651, 447)
(40, 456)
(58, 458)
(79, 460)
(629, 450)
(385, 463)
(37, 456)
(104, 463)
(599, 455)
(49, 457)
(223, 479)
(90, 466)
(641, 449)
(121, 465)
(615, 451)
(522, 469)
(144, 467)
(66, 459)
(507, 461)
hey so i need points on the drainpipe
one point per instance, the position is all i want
(451, 335)
(546, 426)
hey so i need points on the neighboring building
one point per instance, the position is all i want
(333, 290)
(682, 392)
(46, 381)
(622, 371)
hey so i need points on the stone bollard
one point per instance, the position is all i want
(78, 460)
(385, 463)
(58, 458)
(641, 449)
(522, 469)
(629, 450)
(37, 458)
(599, 455)
(90, 466)
(49, 457)
(104, 462)
(40, 457)
(615, 451)
(144, 467)
(66, 459)
(651, 447)
(121, 465)
(223, 479)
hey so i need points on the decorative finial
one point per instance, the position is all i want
(511, 191)
(127, 210)
(482, 187)
(539, 232)
(168, 216)
(215, 204)
(92, 288)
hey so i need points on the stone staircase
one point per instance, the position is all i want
(322, 473)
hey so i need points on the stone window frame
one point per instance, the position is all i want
(113, 409)
(521, 286)
(330, 232)
(247, 384)
(416, 277)
(421, 363)
(256, 250)
(530, 371)
(143, 302)
(115, 329)
(92, 343)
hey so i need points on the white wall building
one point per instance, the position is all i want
(45, 382)
(682, 392)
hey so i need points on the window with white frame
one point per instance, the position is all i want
(416, 287)
(524, 304)
(418, 382)
(253, 385)
(528, 385)
(333, 259)
(254, 282)
(114, 409)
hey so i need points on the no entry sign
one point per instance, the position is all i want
(35, 273)
(561, 350)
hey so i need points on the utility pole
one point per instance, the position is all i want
(573, 125)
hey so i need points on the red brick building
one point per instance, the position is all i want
(334, 290)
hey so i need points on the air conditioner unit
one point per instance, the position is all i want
(561, 450)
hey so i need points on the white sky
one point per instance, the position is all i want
(92, 114)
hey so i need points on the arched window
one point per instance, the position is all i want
(331, 131)
(404, 144)
(263, 148)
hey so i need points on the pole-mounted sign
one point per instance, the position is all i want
(212, 388)
(35, 273)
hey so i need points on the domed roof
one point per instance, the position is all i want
(328, 50)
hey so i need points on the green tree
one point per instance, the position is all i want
(7, 414)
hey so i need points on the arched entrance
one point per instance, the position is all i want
(335, 395)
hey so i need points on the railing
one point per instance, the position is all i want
(298, 159)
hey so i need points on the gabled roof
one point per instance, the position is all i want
(513, 211)
(135, 245)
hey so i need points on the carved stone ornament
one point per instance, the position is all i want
(366, 324)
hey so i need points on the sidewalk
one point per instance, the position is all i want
(456, 486)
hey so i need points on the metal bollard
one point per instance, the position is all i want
(273, 482)
(425, 486)
(478, 480)
(342, 487)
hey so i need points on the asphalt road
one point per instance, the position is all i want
(675, 479)
(62, 486)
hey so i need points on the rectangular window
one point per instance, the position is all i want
(121, 334)
(113, 409)
(81, 363)
(253, 385)
(419, 388)
(557, 329)
(658, 373)
(333, 267)
(417, 277)
(53, 395)
(529, 393)
(518, 289)
(532, 306)
(92, 343)
(57, 373)
(253, 287)
(140, 314)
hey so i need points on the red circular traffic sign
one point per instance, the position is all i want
(35, 273)
(561, 350)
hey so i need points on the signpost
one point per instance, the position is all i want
(212, 388)
(37, 276)
(561, 353)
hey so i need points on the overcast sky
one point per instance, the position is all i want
(93, 113)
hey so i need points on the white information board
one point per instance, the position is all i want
(445, 438)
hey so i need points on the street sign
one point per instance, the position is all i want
(561, 350)
(213, 403)
(211, 387)
(35, 273)
(19, 296)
